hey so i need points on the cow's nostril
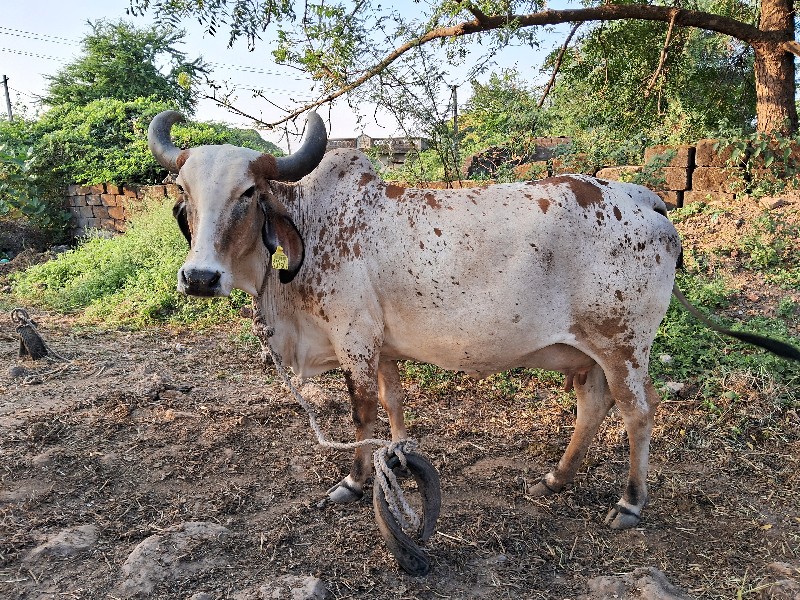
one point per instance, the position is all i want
(214, 279)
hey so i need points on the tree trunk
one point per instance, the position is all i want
(774, 70)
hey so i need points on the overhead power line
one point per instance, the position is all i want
(38, 36)
(33, 54)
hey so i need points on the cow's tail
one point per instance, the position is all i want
(776, 347)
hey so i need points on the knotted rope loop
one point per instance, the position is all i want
(384, 475)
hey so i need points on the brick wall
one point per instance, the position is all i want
(106, 207)
(695, 173)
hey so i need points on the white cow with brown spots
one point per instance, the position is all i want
(570, 273)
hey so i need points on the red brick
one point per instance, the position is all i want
(677, 178)
(716, 179)
(673, 199)
(690, 196)
(707, 155)
(618, 173)
(116, 212)
(101, 212)
(120, 225)
(108, 200)
(112, 189)
(683, 155)
(108, 224)
(93, 200)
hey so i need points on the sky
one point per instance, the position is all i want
(38, 37)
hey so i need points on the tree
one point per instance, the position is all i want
(121, 62)
(344, 46)
(643, 79)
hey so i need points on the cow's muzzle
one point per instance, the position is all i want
(200, 282)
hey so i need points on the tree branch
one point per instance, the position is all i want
(557, 64)
(663, 58)
(607, 12)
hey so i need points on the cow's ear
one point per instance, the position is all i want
(280, 230)
(179, 212)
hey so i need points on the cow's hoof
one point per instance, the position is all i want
(541, 489)
(344, 492)
(622, 517)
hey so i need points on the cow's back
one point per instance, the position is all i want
(470, 277)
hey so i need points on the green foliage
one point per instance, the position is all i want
(20, 195)
(700, 355)
(128, 279)
(103, 141)
(502, 112)
(120, 61)
(606, 89)
(767, 164)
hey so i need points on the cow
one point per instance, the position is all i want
(570, 273)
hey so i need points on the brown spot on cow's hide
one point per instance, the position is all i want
(431, 200)
(182, 158)
(264, 168)
(437, 231)
(365, 179)
(421, 245)
(394, 191)
(617, 213)
(618, 295)
(544, 204)
(586, 193)
(611, 327)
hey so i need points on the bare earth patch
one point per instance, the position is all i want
(174, 449)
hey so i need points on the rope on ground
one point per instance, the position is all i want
(398, 505)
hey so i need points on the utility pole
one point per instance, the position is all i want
(8, 98)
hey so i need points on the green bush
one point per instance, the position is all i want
(129, 279)
(104, 141)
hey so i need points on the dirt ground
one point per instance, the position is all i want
(142, 433)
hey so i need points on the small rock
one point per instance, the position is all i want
(66, 542)
(45, 459)
(294, 587)
(773, 203)
(665, 359)
(647, 583)
(181, 551)
(783, 569)
(674, 387)
(17, 371)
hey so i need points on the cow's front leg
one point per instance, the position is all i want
(362, 384)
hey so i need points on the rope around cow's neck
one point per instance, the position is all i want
(402, 511)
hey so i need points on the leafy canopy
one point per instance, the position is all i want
(121, 61)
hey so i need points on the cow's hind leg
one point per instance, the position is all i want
(594, 402)
(637, 401)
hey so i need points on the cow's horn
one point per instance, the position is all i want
(159, 141)
(301, 163)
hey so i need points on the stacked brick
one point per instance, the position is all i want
(676, 164)
(106, 207)
(712, 175)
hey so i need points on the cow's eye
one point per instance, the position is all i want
(248, 193)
